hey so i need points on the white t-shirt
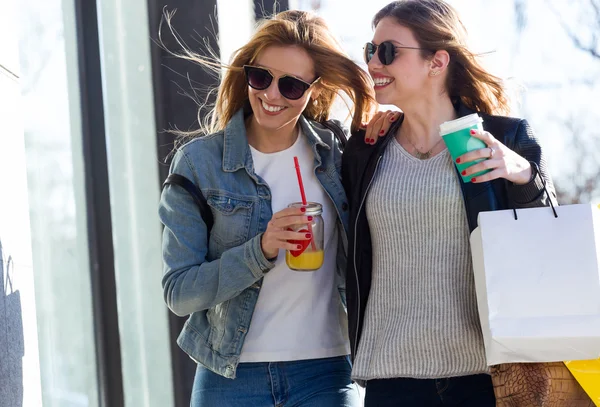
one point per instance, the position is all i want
(298, 314)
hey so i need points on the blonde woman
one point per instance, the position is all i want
(262, 334)
(414, 327)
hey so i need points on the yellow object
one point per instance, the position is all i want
(307, 261)
(587, 373)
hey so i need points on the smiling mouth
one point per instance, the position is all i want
(271, 109)
(382, 82)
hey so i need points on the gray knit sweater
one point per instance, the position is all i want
(421, 319)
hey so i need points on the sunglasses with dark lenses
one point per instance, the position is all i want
(386, 51)
(290, 87)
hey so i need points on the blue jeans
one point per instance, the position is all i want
(463, 391)
(304, 383)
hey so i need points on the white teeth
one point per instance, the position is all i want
(382, 81)
(272, 109)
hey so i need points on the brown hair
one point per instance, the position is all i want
(289, 28)
(437, 26)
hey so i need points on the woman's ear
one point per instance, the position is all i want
(440, 60)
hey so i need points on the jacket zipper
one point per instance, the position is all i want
(354, 254)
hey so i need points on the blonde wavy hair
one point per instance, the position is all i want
(437, 26)
(302, 29)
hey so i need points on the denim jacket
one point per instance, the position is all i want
(216, 280)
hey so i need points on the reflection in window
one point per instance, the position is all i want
(57, 203)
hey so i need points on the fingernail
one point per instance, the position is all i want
(310, 218)
(302, 209)
(298, 247)
(464, 172)
(308, 235)
(458, 160)
(382, 132)
(392, 118)
(368, 140)
(473, 179)
(473, 132)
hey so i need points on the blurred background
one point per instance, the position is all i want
(86, 95)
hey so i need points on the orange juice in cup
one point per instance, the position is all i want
(307, 261)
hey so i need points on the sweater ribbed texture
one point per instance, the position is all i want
(421, 319)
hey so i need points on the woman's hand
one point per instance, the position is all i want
(276, 236)
(501, 160)
(379, 125)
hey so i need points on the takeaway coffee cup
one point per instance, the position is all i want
(456, 135)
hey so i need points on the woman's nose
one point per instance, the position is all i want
(272, 92)
(375, 62)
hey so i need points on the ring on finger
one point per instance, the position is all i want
(492, 151)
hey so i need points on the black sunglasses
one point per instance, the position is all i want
(290, 87)
(386, 51)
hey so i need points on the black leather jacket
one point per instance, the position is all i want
(359, 166)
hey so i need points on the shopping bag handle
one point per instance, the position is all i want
(8, 281)
(538, 173)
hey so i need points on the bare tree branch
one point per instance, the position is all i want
(520, 8)
(596, 6)
(592, 48)
(583, 182)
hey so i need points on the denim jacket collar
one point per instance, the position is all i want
(314, 134)
(236, 151)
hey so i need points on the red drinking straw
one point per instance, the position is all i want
(301, 185)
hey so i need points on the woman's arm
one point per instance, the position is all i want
(191, 283)
(514, 164)
(532, 193)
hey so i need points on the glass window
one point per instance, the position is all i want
(55, 174)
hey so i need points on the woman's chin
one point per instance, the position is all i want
(384, 99)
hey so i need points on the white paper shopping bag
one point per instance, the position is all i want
(538, 283)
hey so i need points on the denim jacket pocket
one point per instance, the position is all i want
(232, 217)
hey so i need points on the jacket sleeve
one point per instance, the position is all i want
(190, 282)
(347, 175)
(531, 194)
(337, 144)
